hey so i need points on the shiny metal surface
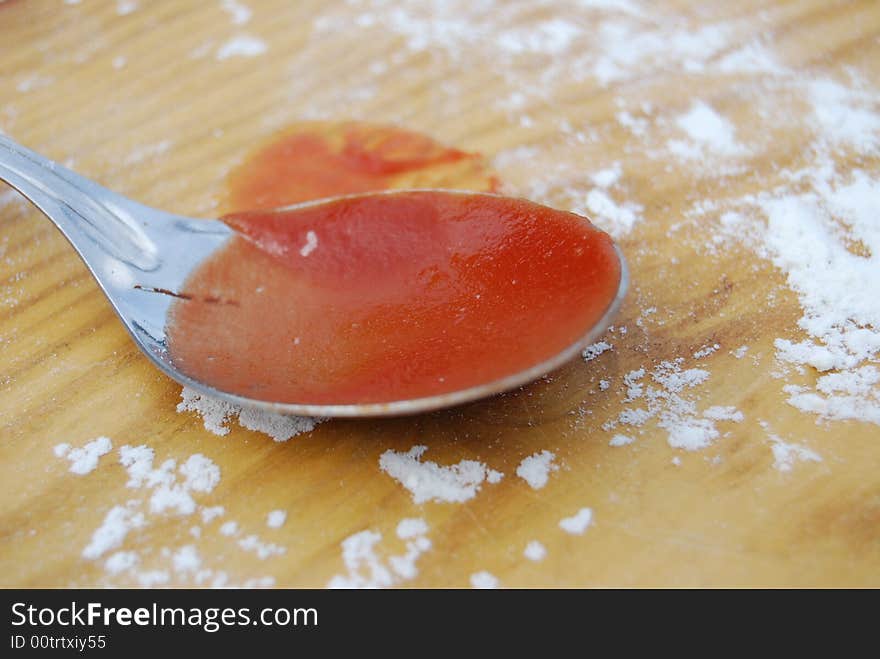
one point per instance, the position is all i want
(132, 249)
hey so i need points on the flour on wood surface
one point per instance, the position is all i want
(708, 133)
(535, 469)
(276, 518)
(85, 458)
(667, 400)
(785, 454)
(367, 566)
(429, 481)
(239, 13)
(705, 351)
(216, 415)
(493, 476)
(578, 523)
(484, 580)
(592, 351)
(242, 46)
(156, 491)
(262, 549)
(535, 551)
(126, 7)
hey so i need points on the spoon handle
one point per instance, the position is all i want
(97, 221)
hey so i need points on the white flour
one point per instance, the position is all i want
(238, 12)
(667, 400)
(484, 580)
(428, 481)
(84, 460)
(535, 551)
(167, 489)
(709, 134)
(367, 569)
(785, 454)
(592, 351)
(242, 46)
(126, 7)
(578, 523)
(216, 414)
(808, 236)
(261, 548)
(276, 519)
(535, 469)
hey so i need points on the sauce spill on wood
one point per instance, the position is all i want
(316, 160)
(386, 297)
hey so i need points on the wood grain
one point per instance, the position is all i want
(140, 103)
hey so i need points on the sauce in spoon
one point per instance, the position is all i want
(374, 299)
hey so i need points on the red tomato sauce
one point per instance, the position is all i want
(390, 297)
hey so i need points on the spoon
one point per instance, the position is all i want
(142, 258)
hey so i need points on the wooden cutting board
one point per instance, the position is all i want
(137, 95)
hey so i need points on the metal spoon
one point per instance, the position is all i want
(126, 244)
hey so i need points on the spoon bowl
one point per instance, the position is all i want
(142, 258)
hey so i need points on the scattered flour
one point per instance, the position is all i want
(262, 549)
(242, 46)
(148, 152)
(186, 559)
(276, 518)
(617, 218)
(166, 488)
(33, 82)
(723, 413)
(786, 454)
(535, 469)
(620, 440)
(708, 133)
(211, 513)
(118, 522)
(493, 476)
(844, 116)
(366, 569)
(216, 414)
(126, 7)
(85, 459)
(669, 404)
(239, 12)
(535, 551)
(484, 580)
(605, 178)
(121, 561)
(428, 481)
(592, 351)
(705, 351)
(807, 236)
(578, 523)
(411, 527)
